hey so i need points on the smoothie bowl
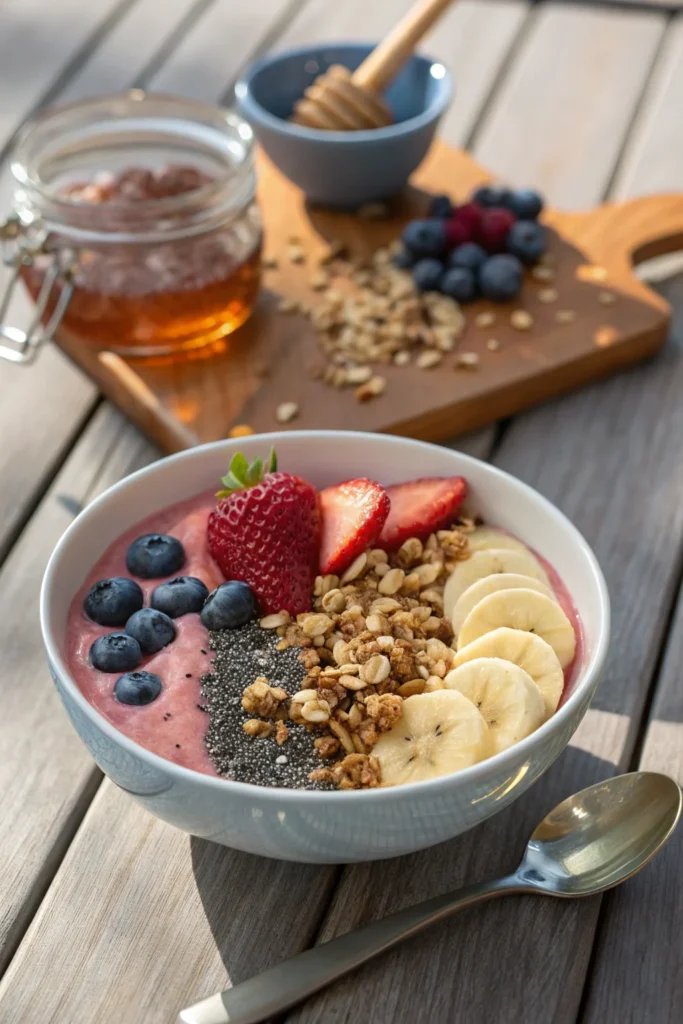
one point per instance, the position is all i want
(360, 652)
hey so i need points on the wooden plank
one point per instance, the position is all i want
(636, 968)
(154, 920)
(38, 40)
(128, 49)
(146, 974)
(46, 777)
(57, 393)
(46, 804)
(220, 43)
(599, 454)
(654, 155)
(636, 975)
(561, 122)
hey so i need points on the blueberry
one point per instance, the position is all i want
(468, 255)
(403, 259)
(229, 606)
(116, 652)
(460, 284)
(180, 596)
(137, 688)
(427, 275)
(525, 203)
(526, 240)
(152, 630)
(155, 555)
(440, 206)
(492, 195)
(425, 237)
(112, 602)
(500, 278)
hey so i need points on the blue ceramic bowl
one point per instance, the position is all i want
(343, 169)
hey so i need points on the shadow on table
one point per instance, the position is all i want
(262, 910)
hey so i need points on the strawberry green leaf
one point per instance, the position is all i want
(272, 461)
(255, 472)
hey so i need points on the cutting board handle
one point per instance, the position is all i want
(642, 228)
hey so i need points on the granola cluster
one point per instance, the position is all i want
(374, 637)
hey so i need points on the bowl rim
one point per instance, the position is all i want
(249, 104)
(274, 794)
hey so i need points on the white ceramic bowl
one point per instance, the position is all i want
(324, 827)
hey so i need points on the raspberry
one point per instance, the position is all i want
(494, 227)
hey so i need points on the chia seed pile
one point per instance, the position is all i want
(242, 655)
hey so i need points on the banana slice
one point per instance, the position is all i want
(439, 733)
(522, 609)
(527, 650)
(486, 537)
(506, 696)
(489, 585)
(486, 563)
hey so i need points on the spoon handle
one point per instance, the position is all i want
(292, 980)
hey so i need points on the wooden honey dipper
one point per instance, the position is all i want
(341, 101)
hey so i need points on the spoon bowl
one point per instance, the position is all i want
(590, 842)
(601, 836)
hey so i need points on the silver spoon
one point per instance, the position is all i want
(590, 842)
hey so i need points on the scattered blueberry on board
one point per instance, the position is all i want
(116, 652)
(180, 596)
(229, 606)
(478, 248)
(111, 602)
(137, 688)
(155, 555)
(152, 630)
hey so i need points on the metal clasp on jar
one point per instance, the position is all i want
(21, 246)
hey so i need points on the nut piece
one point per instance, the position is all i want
(428, 359)
(485, 319)
(402, 357)
(355, 569)
(385, 710)
(548, 295)
(410, 688)
(467, 361)
(565, 316)
(343, 735)
(326, 746)
(281, 733)
(316, 711)
(410, 552)
(542, 273)
(303, 696)
(376, 670)
(262, 699)
(286, 411)
(521, 320)
(255, 727)
(273, 621)
(357, 771)
(334, 602)
(317, 625)
(607, 298)
(434, 683)
(375, 386)
(493, 344)
(392, 582)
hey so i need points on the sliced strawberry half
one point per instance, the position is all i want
(419, 507)
(353, 514)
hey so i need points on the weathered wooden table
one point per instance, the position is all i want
(107, 915)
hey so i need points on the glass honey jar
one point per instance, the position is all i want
(135, 226)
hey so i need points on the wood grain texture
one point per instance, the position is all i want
(269, 361)
(136, 928)
(563, 109)
(653, 158)
(636, 975)
(592, 453)
(45, 773)
(221, 42)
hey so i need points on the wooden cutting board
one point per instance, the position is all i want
(268, 361)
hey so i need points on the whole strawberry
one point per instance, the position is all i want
(265, 531)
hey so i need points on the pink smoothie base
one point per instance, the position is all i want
(173, 726)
